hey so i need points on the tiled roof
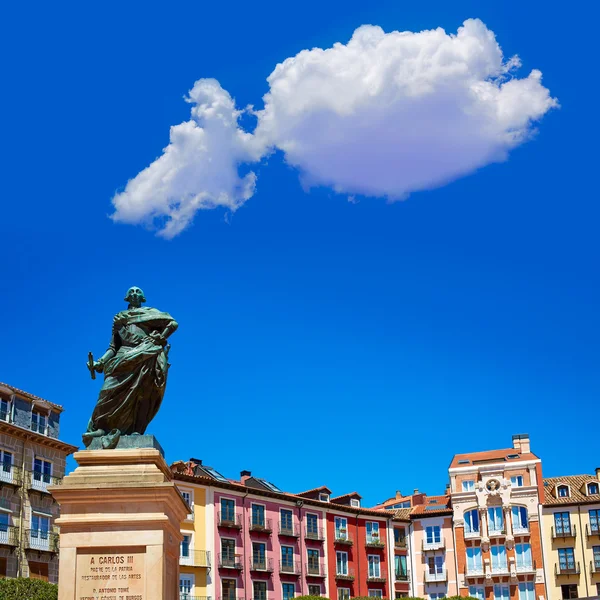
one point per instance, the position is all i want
(434, 505)
(490, 455)
(29, 396)
(576, 483)
(350, 495)
(317, 489)
(402, 514)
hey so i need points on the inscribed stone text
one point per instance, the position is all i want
(115, 574)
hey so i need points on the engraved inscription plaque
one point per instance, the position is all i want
(111, 574)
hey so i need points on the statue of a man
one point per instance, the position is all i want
(135, 372)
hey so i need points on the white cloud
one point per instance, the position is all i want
(383, 115)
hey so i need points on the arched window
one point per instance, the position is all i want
(520, 519)
(562, 491)
(472, 521)
(592, 488)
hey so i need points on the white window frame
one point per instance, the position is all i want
(496, 511)
(477, 591)
(344, 563)
(372, 593)
(264, 507)
(372, 531)
(517, 518)
(590, 483)
(499, 559)
(315, 585)
(475, 559)
(337, 528)
(468, 485)
(190, 494)
(374, 565)
(355, 502)
(343, 593)
(516, 480)
(323, 497)
(563, 485)
(529, 588)
(523, 558)
(187, 560)
(433, 529)
(8, 409)
(469, 530)
(502, 587)
(192, 579)
(287, 583)
(39, 414)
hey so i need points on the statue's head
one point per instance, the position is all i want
(135, 297)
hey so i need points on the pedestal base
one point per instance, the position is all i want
(119, 527)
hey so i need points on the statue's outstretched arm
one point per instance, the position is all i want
(167, 331)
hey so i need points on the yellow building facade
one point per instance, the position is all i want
(571, 536)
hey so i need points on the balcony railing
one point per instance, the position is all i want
(40, 481)
(474, 571)
(346, 575)
(195, 558)
(400, 542)
(521, 530)
(529, 567)
(568, 569)
(469, 535)
(42, 541)
(186, 596)
(289, 567)
(261, 564)
(437, 576)
(343, 537)
(433, 544)
(229, 519)
(595, 565)
(564, 532)
(374, 541)
(9, 474)
(497, 532)
(231, 597)
(9, 535)
(261, 525)
(593, 529)
(499, 569)
(314, 533)
(289, 530)
(316, 570)
(373, 578)
(230, 561)
(401, 576)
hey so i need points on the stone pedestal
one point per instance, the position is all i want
(119, 527)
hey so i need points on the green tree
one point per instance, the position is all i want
(22, 588)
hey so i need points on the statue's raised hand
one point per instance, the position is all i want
(98, 366)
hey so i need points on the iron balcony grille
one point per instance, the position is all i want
(230, 561)
(376, 578)
(400, 543)
(196, 558)
(499, 569)
(435, 576)
(289, 531)
(261, 525)
(374, 542)
(315, 570)
(568, 569)
(433, 544)
(594, 529)
(569, 531)
(9, 535)
(42, 541)
(229, 519)
(528, 567)
(261, 564)
(343, 537)
(401, 576)
(314, 533)
(289, 567)
(347, 575)
(474, 571)
(10, 475)
(41, 481)
(468, 535)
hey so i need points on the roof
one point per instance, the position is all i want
(32, 397)
(314, 490)
(434, 505)
(350, 495)
(402, 514)
(576, 483)
(475, 458)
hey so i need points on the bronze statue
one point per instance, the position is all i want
(135, 372)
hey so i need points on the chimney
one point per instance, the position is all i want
(447, 489)
(416, 491)
(245, 475)
(598, 473)
(398, 494)
(196, 461)
(521, 443)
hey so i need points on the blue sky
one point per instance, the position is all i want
(353, 344)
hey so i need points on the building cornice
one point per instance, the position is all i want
(38, 438)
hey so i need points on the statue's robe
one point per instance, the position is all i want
(135, 377)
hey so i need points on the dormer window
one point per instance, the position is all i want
(4, 410)
(39, 422)
(324, 497)
(562, 491)
(593, 489)
(355, 502)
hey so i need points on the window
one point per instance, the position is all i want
(523, 557)
(38, 422)
(517, 481)
(259, 589)
(374, 566)
(314, 590)
(341, 528)
(399, 537)
(189, 498)
(228, 589)
(42, 470)
(468, 486)
(186, 542)
(501, 592)
(596, 552)
(498, 559)
(474, 562)
(341, 563)
(495, 519)
(400, 568)
(287, 557)
(566, 559)
(472, 521)
(595, 521)
(562, 523)
(258, 555)
(343, 593)
(313, 561)
(186, 586)
(227, 552)
(437, 596)
(433, 534)
(40, 526)
(4, 410)
(6, 461)
(258, 515)
(324, 497)
(287, 521)
(435, 564)
(592, 489)
(526, 591)
(227, 510)
(375, 594)
(563, 491)
(568, 591)
(4, 532)
(519, 519)
(288, 590)
(38, 570)
(312, 525)
(372, 532)
(477, 591)
(355, 502)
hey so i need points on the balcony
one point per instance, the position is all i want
(592, 530)
(195, 558)
(289, 567)
(529, 567)
(595, 566)
(346, 575)
(9, 475)
(471, 535)
(231, 597)
(261, 526)
(374, 541)
(41, 541)
(520, 530)
(229, 520)
(568, 569)
(496, 533)
(436, 577)
(9, 535)
(433, 544)
(230, 561)
(372, 578)
(564, 532)
(315, 570)
(314, 534)
(401, 576)
(343, 537)
(40, 481)
(287, 530)
(264, 565)
(400, 543)
(499, 570)
(185, 596)
(474, 571)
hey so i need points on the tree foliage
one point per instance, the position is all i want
(22, 588)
